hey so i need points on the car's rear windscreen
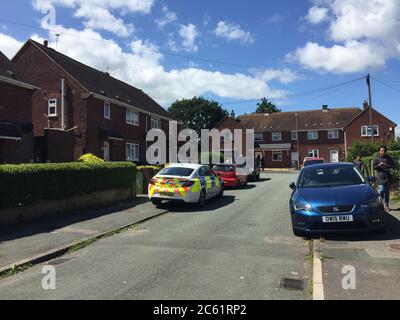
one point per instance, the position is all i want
(176, 171)
(224, 168)
(311, 162)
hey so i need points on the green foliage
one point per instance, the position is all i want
(89, 158)
(28, 183)
(394, 145)
(362, 148)
(394, 154)
(198, 113)
(266, 106)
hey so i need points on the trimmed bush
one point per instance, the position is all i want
(28, 183)
(362, 148)
(89, 158)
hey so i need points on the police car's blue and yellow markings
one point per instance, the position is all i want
(186, 189)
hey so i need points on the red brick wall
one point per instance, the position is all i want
(15, 103)
(354, 129)
(130, 133)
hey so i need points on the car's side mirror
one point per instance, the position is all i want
(292, 186)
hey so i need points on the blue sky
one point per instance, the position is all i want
(280, 49)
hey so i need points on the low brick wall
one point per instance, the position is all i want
(25, 214)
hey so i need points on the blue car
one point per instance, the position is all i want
(335, 198)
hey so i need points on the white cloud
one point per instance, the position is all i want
(231, 32)
(365, 35)
(284, 76)
(100, 18)
(189, 33)
(9, 46)
(142, 67)
(169, 17)
(353, 56)
(317, 15)
(100, 14)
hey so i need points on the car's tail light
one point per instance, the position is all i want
(187, 184)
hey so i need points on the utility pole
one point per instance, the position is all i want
(370, 106)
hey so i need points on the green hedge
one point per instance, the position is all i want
(394, 154)
(28, 183)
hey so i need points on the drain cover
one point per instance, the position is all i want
(291, 284)
(395, 246)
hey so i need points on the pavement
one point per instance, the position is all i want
(21, 244)
(238, 247)
(373, 259)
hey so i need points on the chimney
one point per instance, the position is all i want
(325, 107)
(46, 43)
(233, 114)
(365, 104)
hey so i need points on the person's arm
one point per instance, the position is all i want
(376, 164)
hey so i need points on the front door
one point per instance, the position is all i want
(106, 151)
(334, 155)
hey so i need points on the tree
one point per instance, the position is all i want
(266, 106)
(395, 144)
(198, 113)
(363, 149)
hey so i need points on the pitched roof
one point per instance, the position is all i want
(9, 72)
(307, 120)
(103, 84)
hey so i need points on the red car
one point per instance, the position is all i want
(231, 174)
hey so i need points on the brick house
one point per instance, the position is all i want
(16, 137)
(82, 110)
(285, 139)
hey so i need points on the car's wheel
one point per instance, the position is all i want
(301, 234)
(221, 192)
(156, 202)
(202, 199)
(258, 177)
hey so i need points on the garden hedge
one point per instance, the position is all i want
(28, 183)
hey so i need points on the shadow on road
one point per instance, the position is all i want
(211, 205)
(49, 224)
(392, 233)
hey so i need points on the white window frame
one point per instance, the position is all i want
(276, 136)
(280, 155)
(52, 103)
(132, 117)
(295, 135)
(153, 121)
(107, 110)
(366, 134)
(312, 154)
(309, 135)
(260, 134)
(132, 152)
(333, 134)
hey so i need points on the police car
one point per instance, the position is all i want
(190, 183)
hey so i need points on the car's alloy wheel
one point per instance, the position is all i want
(202, 199)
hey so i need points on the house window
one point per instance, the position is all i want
(367, 132)
(276, 136)
(294, 135)
(259, 137)
(132, 152)
(132, 117)
(52, 107)
(276, 156)
(313, 153)
(333, 134)
(155, 123)
(107, 110)
(312, 135)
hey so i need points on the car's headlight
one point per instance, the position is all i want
(374, 203)
(299, 206)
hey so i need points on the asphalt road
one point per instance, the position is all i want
(235, 248)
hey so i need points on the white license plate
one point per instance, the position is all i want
(337, 219)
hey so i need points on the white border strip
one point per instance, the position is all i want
(318, 285)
